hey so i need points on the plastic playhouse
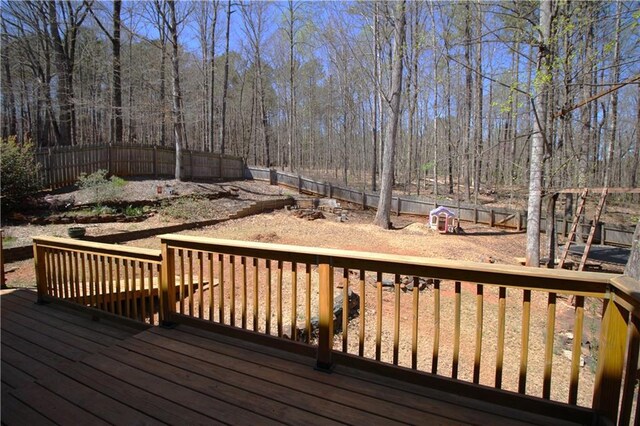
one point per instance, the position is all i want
(443, 220)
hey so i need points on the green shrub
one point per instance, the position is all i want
(131, 211)
(19, 173)
(100, 188)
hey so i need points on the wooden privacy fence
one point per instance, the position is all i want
(480, 330)
(497, 217)
(61, 166)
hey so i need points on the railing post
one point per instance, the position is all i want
(613, 340)
(41, 278)
(167, 285)
(325, 328)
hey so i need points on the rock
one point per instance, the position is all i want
(353, 304)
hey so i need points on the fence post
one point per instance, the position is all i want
(155, 162)
(41, 279)
(364, 200)
(475, 215)
(109, 160)
(492, 217)
(519, 226)
(398, 205)
(325, 310)
(330, 190)
(613, 340)
(299, 184)
(167, 285)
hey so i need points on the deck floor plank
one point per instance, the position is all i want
(164, 410)
(100, 405)
(211, 407)
(103, 328)
(262, 393)
(244, 393)
(285, 362)
(16, 412)
(61, 367)
(53, 407)
(33, 318)
(311, 382)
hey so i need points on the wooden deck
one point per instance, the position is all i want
(61, 367)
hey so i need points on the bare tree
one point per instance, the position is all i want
(382, 218)
(539, 135)
(225, 85)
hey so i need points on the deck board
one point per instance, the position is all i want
(60, 366)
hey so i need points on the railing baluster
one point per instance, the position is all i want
(308, 301)
(502, 302)
(379, 315)
(92, 280)
(524, 341)
(232, 290)
(118, 288)
(134, 285)
(576, 350)
(396, 319)
(103, 282)
(345, 308)
(143, 302)
(66, 290)
(456, 329)
(479, 322)
(48, 276)
(76, 275)
(221, 288)
(279, 297)
(414, 334)
(243, 261)
(111, 304)
(436, 326)
(83, 271)
(548, 347)
(211, 285)
(268, 300)
(362, 313)
(294, 301)
(190, 281)
(58, 273)
(150, 292)
(182, 295)
(127, 289)
(255, 294)
(200, 286)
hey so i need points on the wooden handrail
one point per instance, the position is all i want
(124, 252)
(590, 284)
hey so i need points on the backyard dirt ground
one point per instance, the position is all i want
(410, 236)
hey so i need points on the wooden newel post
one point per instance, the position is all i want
(41, 278)
(325, 328)
(613, 343)
(167, 285)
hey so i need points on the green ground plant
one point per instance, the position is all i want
(19, 172)
(101, 189)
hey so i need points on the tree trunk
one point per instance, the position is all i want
(117, 75)
(537, 139)
(225, 84)
(382, 218)
(614, 102)
(178, 125)
(633, 264)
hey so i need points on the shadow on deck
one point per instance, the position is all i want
(60, 366)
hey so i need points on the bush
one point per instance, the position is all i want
(19, 173)
(100, 188)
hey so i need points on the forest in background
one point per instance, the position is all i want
(303, 85)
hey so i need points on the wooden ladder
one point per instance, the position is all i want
(574, 227)
(592, 231)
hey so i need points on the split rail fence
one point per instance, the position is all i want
(61, 166)
(283, 296)
(607, 234)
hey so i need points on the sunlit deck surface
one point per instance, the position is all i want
(60, 366)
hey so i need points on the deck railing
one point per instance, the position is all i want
(119, 280)
(486, 328)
